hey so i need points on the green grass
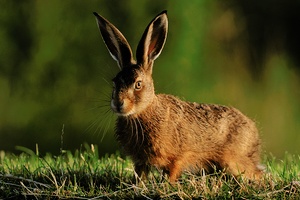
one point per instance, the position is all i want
(83, 175)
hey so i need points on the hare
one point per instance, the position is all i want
(163, 131)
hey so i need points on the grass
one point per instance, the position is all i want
(83, 175)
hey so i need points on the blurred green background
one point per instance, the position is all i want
(55, 70)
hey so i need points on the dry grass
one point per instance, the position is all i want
(83, 175)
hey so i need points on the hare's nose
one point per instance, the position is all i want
(117, 105)
(121, 103)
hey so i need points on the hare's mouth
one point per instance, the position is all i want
(121, 109)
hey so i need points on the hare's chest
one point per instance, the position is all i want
(145, 141)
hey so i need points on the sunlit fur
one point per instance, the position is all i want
(168, 133)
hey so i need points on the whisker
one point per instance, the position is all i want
(97, 100)
(102, 122)
(96, 122)
(108, 95)
(93, 123)
(136, 134)
(106, 128)
(98, 107)
(108, 82)
(142, 132)
(130, 120)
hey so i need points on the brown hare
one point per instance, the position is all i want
(163, 131)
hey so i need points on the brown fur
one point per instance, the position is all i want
(174, 135)
(166, 132)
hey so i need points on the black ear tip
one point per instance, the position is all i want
(96, 14)
(163, 12)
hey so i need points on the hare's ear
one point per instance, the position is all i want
(116, 43)
(153, 40)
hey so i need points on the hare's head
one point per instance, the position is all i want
(133, 88)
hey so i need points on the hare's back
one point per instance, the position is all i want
(210, 119)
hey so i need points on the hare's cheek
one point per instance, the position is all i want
(129, 102)
(128, 107)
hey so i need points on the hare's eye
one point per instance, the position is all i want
(138, 85)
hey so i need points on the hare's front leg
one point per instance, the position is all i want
(174, 169)
(142, 170)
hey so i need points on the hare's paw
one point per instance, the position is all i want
(142, 171)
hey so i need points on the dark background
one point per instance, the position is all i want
(55, 71)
